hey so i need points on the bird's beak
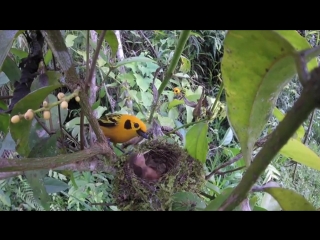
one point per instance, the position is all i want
(142, 134)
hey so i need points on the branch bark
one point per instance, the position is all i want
(60, 51)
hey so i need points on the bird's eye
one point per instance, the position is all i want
(136, 125)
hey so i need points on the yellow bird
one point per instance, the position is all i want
(120, 128)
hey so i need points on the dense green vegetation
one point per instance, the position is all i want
(129, 90)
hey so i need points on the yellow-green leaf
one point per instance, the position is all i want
(6, 39)
(197, 142)
(279, 116)
(186, 65)
(174, 102)
(289, 200)
(300, 153)
(255, 67)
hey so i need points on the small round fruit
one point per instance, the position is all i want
(60, 95)
(15, 119)
(77, 98)
(45, 103)
(46, 115)
(64, 105)
(29, 114)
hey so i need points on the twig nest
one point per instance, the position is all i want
(148, 178)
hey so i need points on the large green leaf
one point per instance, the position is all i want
(55, 120)
(255, 67)
(197, 142)
(289, 200)
(11, 69)
(54, 185)
(299, 134)
(20, 131)
(6, 40)
(300, 153)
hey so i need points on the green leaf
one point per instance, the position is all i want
(257, 208)
(175, 102)
(47, 78)
(20, 131)
(4, 198)
(6, 40)
(255, 67)
(3, 78)
(289, 200)
(186, 201)
(54, 185)
(70, 40)
(227, 137)
(35, 180)
(96, 104)
(112, 40)
(11, 69)
(299, 43)
(279, 116)
(197, 142)
(166, 121)
(216, 203)
(133, 60)
(186, 65)
(4, 119)
(143, 83)
(300, 153)
(19, 53)
(48, 57)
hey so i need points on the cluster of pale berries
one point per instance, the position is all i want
(46, 109)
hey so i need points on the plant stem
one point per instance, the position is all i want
(309, 99)
(175, 59)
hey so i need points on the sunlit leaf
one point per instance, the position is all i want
(289, 200)
(197, 142)
(227, 137)
(300, 153)
(48, 57)
(175, 102)
(255, 67)
(19, 53)
(70, 40)
(112, 40)
(279, 115)
(186, 65)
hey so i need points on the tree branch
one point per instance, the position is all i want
(60, 51)
(27, 164)
(309, 99)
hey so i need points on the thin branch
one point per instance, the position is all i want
(60, 51)
(148, 41)
(95, 57)
(184, 36)
(231, 161)
(90, 165)
(309, 99)
(229, 171)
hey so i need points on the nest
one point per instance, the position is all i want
(148, 178)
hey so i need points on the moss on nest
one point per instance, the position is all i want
(178, 172)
